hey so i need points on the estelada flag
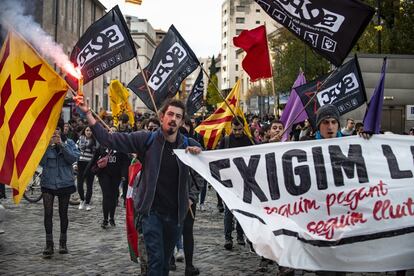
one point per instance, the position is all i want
(119, 103)
(31, 99)
(132, 235)
(212, 128)
(257, 60)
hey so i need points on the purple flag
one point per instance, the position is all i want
(372, 118)
(293, 107)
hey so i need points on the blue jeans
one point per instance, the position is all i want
(160, 236)
(203, 192)
(229, 226)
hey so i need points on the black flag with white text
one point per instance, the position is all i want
(171, 63)
(106, 44)
(331, 28)
(344, 89)
(195, 99)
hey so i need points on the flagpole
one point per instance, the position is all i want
(318, 87)
(227, 104)
(275, 110)
(93, 112)
(146, 85)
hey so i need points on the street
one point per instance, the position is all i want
(95, 251)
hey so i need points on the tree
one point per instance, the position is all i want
(213, 96)
(396, 28)
(292, 55)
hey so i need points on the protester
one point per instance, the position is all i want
(275, 131)
(87, 146)
(306, 130)
(57, 180)
(256, 135)
(109, 176)
(349, 128)
(328, 126)
(237, 138)
(162, 197)
(359, 128)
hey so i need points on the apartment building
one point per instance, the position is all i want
(238, 15)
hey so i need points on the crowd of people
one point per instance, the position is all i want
(164, 222)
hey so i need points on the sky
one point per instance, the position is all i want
(198, 21)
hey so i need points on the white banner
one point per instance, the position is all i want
(342, 204)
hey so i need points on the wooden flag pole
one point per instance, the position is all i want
(148, 88)
(74, 93)
(227, 104)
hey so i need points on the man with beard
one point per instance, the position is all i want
(162, 195)
(237, 138)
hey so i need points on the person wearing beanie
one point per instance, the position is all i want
(327, 125)
(327, 122)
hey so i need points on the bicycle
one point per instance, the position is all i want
(33, 192)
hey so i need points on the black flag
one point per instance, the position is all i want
(330, 27)
(172, 62)
(195, 99)
(345, 89)
(106, 44)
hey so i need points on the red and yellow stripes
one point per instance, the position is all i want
(31, 99)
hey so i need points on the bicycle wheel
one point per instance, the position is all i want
(33, 191)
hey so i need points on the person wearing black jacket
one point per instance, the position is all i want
(109, 178)
(236, 139)
(162, 196)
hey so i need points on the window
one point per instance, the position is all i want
(240, 20)
(224, 80)
(257, 10)
(237, 67)
(238, 31)
(224, 57)
(225, 12)
(225, 23)
(257, 22)
(225, 34)
(225, 46)
(236, 79)
(240, 8)
(224, 68)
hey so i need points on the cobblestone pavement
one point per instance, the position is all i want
(95, 251)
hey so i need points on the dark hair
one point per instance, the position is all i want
(153, 120)
(172, 102)
(124, 118)
(276, 121)
(237, 120)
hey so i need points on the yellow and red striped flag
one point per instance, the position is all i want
(138, 2)
(31, 99)
(212, 128)
(119, 103)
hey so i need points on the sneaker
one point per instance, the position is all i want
(240, 241)
(88, 207)
(104, 224)
(82, 205)
(228, 245)
(112, 222)
(48, 251)
(63, 249)
(179, 256)
(201, 207)
(190, 271)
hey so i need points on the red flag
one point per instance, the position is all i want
(257, 61)
(132, 234)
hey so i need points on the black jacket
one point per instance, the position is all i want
(135, 142)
